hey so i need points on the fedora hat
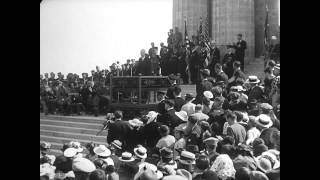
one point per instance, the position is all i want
(208, 94)
(182, 115)
(140, 152)
(264, 121)
(70, 152)
(252, 80)
(76, 145)
(117, 144)
(102, 150)
(189, 96)
(126, 157)
(275, 163)
(187, 157)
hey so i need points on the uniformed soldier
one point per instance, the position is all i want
(211, 144)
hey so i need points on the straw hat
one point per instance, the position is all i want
(102, 150)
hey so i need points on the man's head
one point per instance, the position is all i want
(239, 37)
(52, 75)
(217, 68)
(168, 104)
(46, 75)
(236, 65)
(41, 76)
(198, 108)
(177, 91)
(152, 44)
(176, 29)
(212, 43)
(160, 95)
(231, 118)
(161, 44)
(98, 68)
(93, 72)
(118, 114)
(164, 130)
(142, 52)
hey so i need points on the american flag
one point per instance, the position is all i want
(266, 29)
(204, 31)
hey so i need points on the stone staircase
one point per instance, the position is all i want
(62, 129)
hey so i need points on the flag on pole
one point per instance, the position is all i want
(206, 31)
(200, 31)
(186, 38)
(266, 29)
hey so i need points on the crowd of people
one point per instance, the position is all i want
(229, 130)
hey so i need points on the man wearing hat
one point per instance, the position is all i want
(140, 154)
(211, 144)
(187, 161)
(82, 168)
(202, 164)
(180, 140)
(189, 107)
(118, 130)
(128, 167)
(255, 91)
(240, 48)
(170, 118)
(167, 164)
(104, 153)
(150, 130)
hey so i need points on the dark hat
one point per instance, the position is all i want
(239, 34)
(205, 72)
(189, 96)
(202, 162)
(193, 118)
(209, 175)
(117, 144)
(166, 153)
(192, 148)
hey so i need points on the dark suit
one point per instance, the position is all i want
(205, 85)
(215, 56)
(222, 76)
(178, 103)
(227, 62)
(170, 119)
(238, 132)
(240, 47)
(118, 130)
(170, 91)
(160, 107)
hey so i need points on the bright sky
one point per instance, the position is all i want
(77, 35)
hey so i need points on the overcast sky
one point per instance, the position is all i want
(77, 35)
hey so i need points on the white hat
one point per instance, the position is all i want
(152, 115)
(186, 155)
(182, 115)
(274, 37)
(126, 157)
(135, 122)
(140, 152)
(237, 88)
(70, 152)
(252, 79)
(264, 121)
(76, 145)
(102, 150)
(273, 159)
(83, 165)
(145, 166)
(108, 161)
(48, 170)
(208, 94)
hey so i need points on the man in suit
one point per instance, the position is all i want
(178, 100)
(173, 82)
(228, 60)
(238, 74)
(118, 129)
(160, 106)
(170, 118)
(240, 48)
(214, 57)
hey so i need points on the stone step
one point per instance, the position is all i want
(93, 120)
(71, 124)
(73, 135)
(62, 140)
(71, 129)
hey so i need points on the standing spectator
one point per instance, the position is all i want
(220, 75)
(119, 129)
(211, 144)
(235, 130)
(227, 62)
(240, 48)
(166, 139)
(178, 101)
(170, 118)
(180, 143)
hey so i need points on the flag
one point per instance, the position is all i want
(186, 38)
(206, 37)
(200, 31)
(266, 29)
